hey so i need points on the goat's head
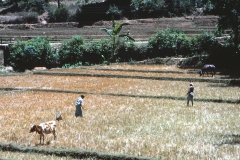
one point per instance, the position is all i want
(34, 128)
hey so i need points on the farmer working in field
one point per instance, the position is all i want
(190, 94)
(79, 105)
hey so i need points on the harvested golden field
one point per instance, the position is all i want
(151, 127)
(121, 85)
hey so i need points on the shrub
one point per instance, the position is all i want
(52, 60)
(128, 51)
(178, 7)
(147, 8)
(38, 6)
(160, 8)
(96, 52)
(222, 56)
(88, 13)
(71, 51)
(27, 55)
(203, 44)
(114, 11)
(61, 14)
(225, 57)
(209, 8)
(167, 43)
(17, 57)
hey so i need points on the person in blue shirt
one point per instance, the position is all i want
(79, 105)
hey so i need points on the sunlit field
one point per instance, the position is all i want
(151, 127)
(122, 85)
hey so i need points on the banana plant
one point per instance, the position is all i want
(115, 35)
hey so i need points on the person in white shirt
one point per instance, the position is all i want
(190, 94)
(79, 106)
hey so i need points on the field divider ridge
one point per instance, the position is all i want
(75, 153)
(144, 71)
(226, 81)
(232, 101)
(134, 70)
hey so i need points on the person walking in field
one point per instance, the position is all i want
(190, 93)
(79, 106)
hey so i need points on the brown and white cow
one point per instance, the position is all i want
(207, 68)
(44, 128)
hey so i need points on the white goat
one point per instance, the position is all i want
(44, 128)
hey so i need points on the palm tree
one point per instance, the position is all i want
(115, 35)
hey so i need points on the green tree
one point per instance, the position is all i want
(96, 51)
(115, 36)
(229, 17)
(71, 51)
(167, 43)
(61, 14)
(32, 53)
(114, 11)
(178, 7)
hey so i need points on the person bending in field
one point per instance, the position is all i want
(79, 106)
(190, 94)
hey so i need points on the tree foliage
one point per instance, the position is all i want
(38, 6)
(161, 8)
(97, 51)
(229, 17)
(203, 43)
(178, 7)
(71, 51)
(113, 10)
(29, 54)
(129, 52)
(146, 5)
(61, 14)
(168, 42)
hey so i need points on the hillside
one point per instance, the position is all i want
(140, 29)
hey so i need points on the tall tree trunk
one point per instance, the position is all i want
(236, 35)
(58, 3)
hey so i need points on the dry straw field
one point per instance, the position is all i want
(139, 126)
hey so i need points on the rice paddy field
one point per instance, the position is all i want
(157, 128)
